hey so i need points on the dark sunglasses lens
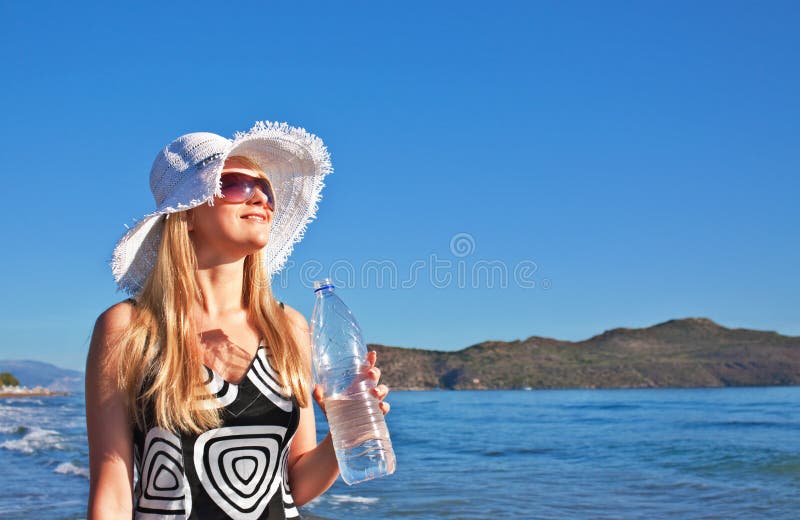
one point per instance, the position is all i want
(237, 188)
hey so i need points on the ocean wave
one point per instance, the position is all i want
(68, 468)
(24, 401)
(512, 452)
(36, 439)
(17, 430)
(348, 499)
(603, 406)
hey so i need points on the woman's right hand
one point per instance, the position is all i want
(374, 373)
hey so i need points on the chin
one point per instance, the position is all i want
(259, 244)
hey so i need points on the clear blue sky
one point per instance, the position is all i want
(642, 155)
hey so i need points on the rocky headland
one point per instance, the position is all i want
(691, 352)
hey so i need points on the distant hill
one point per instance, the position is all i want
(691, 352)
(36, 373)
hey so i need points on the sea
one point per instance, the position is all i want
(650, 453)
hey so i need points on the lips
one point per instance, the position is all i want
(258, 217)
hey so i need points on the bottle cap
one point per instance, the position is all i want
(325, 283)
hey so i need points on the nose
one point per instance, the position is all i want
(260, 198)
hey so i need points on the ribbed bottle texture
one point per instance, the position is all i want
(360, 437)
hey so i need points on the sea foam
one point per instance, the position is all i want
(68, 468)
(18, 430)
(36, 439)
(348, 499)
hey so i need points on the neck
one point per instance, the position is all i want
(221, 286)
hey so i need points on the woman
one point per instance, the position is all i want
(202, 381)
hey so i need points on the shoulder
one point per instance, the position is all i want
(118, 317)
(298, 325)
(295, 317)
(105, 353)
(109, 326)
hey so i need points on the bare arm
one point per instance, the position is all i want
(107, 421)
(313, 467)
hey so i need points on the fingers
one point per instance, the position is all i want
(371, 357)
(380, 391)
(374, 373)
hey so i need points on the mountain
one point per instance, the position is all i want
(691, 352)
(36, 373)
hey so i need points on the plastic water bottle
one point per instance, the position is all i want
(360, 437)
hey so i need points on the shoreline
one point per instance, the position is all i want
(565, 388)
(23, 391)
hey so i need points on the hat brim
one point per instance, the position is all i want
(296, 163)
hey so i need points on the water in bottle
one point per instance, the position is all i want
(360, 437)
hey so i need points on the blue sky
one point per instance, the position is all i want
(631, 162)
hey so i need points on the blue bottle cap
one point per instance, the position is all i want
(325, 283)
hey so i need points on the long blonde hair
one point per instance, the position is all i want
(161, 365)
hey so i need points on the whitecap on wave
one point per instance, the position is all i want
(68, 468)
(348, 499)
(19, 430)
(24, 401)
(36, 439)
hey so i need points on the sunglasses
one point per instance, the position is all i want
(240, 187)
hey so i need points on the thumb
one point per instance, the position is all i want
(319, 397)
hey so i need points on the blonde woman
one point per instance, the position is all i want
(201, 381)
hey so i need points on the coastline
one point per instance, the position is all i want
(24, 391)
(580, 388)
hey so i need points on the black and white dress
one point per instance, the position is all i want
(238, 470)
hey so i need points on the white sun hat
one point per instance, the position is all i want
(187, 174)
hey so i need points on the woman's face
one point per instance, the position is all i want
(229, 231)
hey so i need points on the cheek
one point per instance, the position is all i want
(206, 221)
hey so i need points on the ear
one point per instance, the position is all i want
(190, 220)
